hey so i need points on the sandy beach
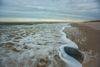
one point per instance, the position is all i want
(87, 36)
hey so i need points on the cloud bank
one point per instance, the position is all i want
(51, 9)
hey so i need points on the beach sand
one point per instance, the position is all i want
(87, 36)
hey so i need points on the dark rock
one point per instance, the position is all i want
(75, 53)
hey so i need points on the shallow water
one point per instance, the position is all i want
(38, 45)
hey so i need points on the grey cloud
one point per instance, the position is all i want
(51, 8)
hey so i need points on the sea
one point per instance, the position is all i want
(35, 45)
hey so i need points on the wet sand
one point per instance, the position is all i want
(87, 36)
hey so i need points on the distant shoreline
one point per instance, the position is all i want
(29, 23)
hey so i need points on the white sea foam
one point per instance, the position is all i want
(35, 46)
(70, 61)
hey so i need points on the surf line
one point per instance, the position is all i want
(70, 61)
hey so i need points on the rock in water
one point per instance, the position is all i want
(75, 53)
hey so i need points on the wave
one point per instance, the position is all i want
(35, 46)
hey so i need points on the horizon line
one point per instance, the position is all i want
(35, 20)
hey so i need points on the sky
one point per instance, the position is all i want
(51, 9)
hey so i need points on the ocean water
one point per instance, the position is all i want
(37, 45)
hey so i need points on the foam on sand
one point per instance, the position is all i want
(70, 61)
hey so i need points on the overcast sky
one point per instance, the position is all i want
(51, 9)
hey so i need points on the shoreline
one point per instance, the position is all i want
(87, 36)
(62, 54)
